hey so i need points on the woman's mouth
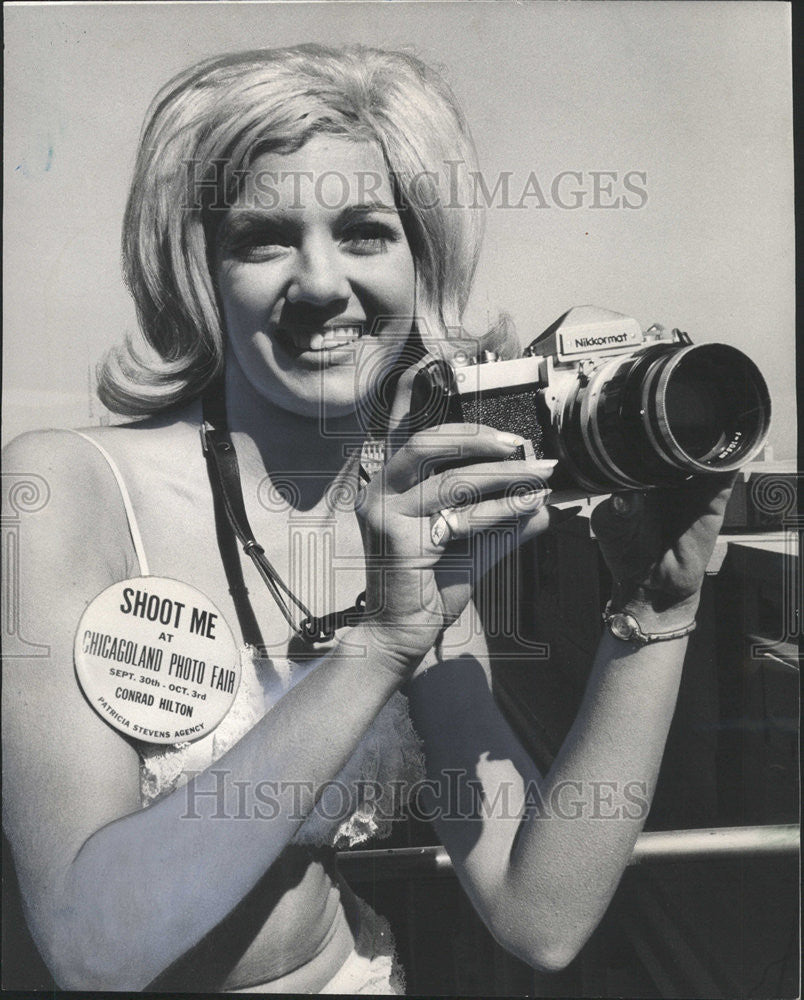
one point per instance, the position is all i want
(322, 345)
(325, 339)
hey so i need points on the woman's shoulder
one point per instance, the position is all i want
(55, 454)
(90, 451)
(58, 487)
(68, 459)
(76, 482)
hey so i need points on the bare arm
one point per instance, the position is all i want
(541, 857)
(114, 893)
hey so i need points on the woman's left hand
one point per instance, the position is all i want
(657, 545)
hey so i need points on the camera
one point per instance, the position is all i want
(618, 408)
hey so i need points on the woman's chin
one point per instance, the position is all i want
(326, 406)
(332, 391)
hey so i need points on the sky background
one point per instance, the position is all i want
(695, 95)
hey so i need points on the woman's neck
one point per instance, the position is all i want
(271, 439)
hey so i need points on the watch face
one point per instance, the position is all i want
(621, 626)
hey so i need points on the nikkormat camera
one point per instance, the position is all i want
(618, 407)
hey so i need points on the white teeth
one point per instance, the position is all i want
(341, 335)
(337, 336)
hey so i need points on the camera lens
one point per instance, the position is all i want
(707, 408)
(659, 416)
(693, 416)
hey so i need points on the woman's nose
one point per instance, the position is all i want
(319, 277)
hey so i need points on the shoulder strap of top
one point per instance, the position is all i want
(133, 527)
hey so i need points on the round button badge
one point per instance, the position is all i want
(156, 660)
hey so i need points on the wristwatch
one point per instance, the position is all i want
(626, 628)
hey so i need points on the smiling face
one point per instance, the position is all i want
(315, 276)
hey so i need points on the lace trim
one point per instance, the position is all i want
(373, 788)
(373, 968)
(361, 802)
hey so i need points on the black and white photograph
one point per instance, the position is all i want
(400, 526)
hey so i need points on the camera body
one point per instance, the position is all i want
(618, 408)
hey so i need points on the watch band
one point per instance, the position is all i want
(625, 627)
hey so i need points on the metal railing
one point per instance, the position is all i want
(651, 848)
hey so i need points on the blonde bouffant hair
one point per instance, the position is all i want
(202, 132)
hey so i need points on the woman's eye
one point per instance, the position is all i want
(369, 239)
(257, 245)
(259, 250)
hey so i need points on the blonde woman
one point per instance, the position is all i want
(297, 235)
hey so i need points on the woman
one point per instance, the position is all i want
(293, 245)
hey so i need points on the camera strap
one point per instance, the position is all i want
(224, 474)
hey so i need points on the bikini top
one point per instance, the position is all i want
(364, 798)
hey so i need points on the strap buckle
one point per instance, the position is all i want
(314, 630)
(323, 629)
(205, 429)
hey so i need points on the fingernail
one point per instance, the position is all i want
(512, 440)
(530, 501)
(549, 463)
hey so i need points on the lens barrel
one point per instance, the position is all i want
(659, 416)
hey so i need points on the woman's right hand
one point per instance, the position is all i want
(415, 584)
